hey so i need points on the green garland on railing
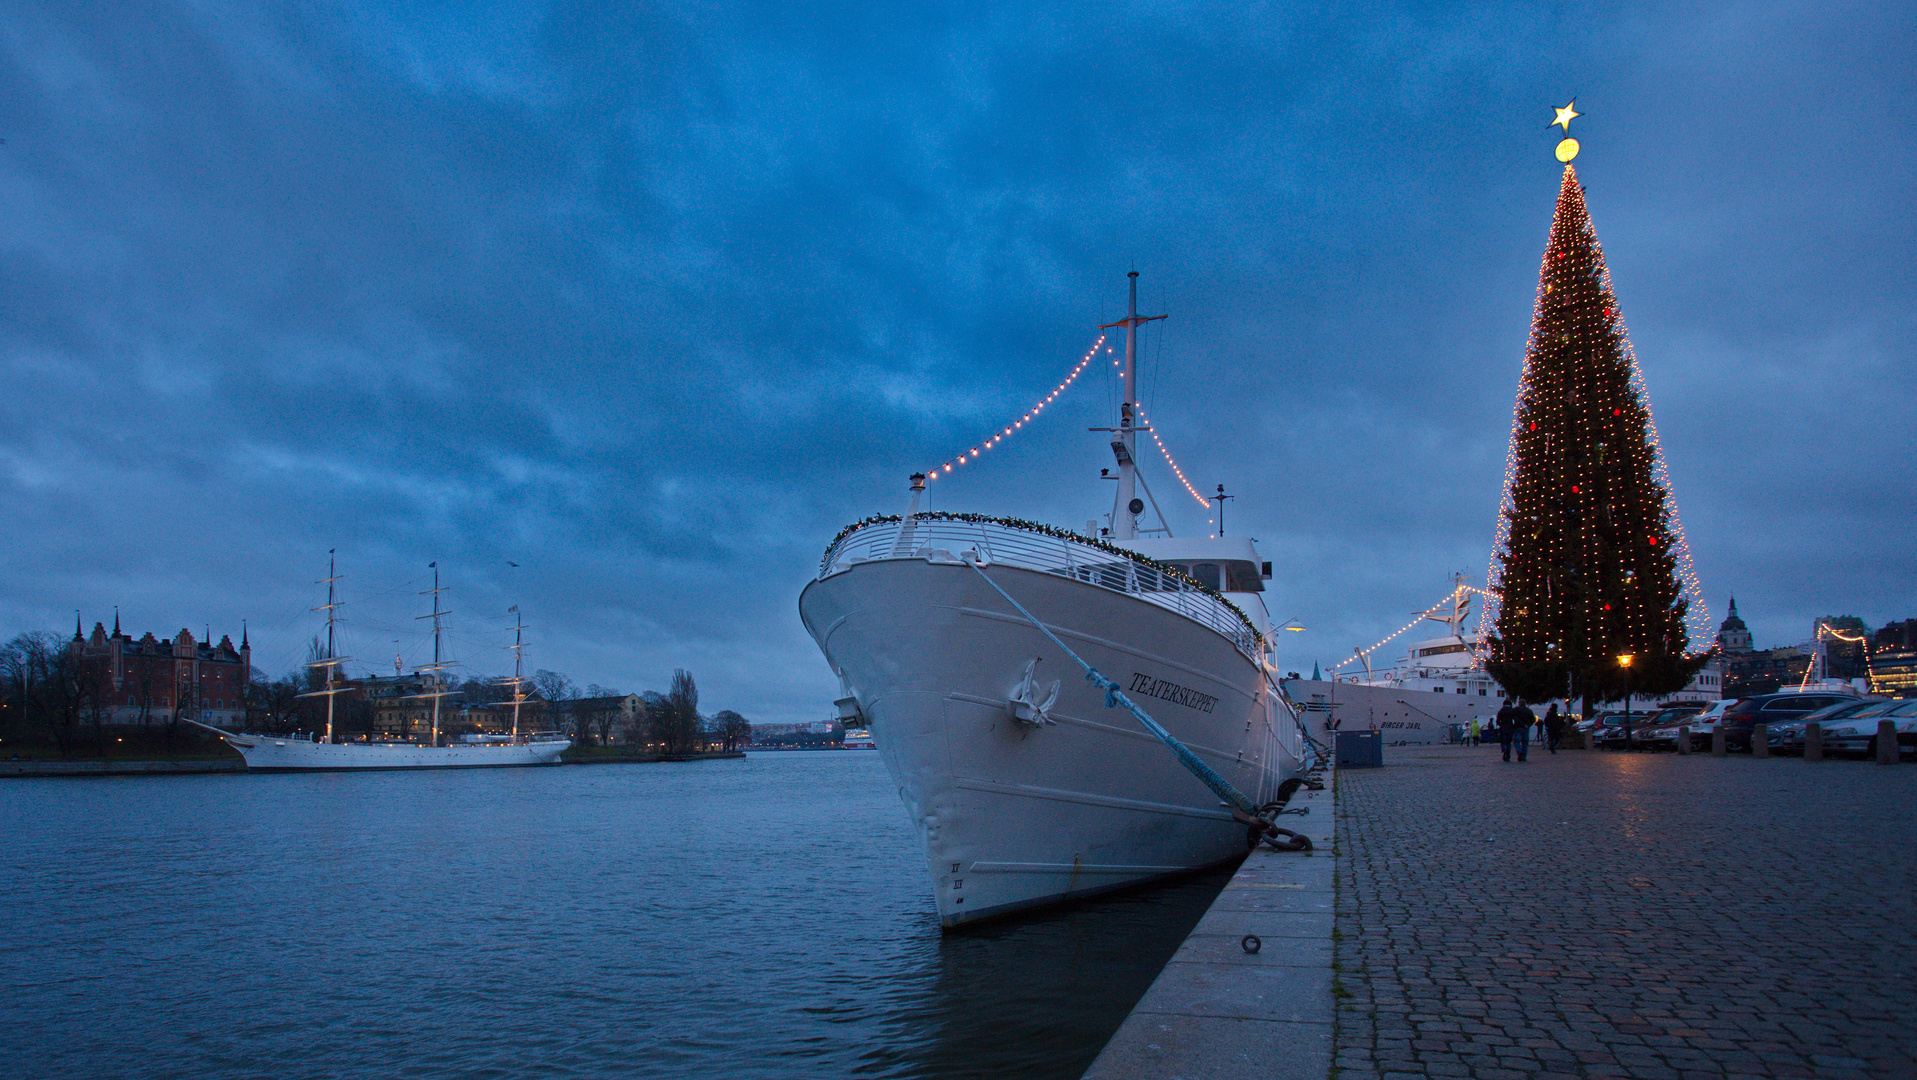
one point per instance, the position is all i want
(1057, 534)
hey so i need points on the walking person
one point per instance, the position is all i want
(1473, 733)
(1507, 725)
(1521, 732)
(1553, 728)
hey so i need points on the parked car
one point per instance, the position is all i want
(1704, 724)
(1611, 729)
(1660, 730)
(1787, 737)
(1773, 709)
(1857, 733)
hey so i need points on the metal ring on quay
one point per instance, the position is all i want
(1251, 944)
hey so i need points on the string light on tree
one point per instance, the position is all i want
(1590, 560)
(1030, 414)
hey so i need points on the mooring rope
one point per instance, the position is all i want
(1243, 809)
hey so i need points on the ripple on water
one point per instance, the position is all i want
(769, 917)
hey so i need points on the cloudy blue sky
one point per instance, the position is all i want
(652, 300)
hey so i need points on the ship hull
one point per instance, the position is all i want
(267, 754)
(1404, 717)
(1011, 815)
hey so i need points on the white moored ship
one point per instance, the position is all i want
(278, 753)
(1026, 785)
(1437, 684)
(282, 753)
(1437, 687)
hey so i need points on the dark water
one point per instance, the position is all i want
(760, 918)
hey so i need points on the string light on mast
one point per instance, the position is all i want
(1030, 414)
(1176, 471)
(1449, 598)
(1824, 629)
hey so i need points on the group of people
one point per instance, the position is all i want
(1513, 725)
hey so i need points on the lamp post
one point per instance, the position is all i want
(1624, 662)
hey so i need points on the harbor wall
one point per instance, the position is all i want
(1249, 993)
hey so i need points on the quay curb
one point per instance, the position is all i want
(117, 768)
(1221, 1012)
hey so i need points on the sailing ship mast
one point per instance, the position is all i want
(439, 664)
(330, 661)
(518, 647)
(1125, 446)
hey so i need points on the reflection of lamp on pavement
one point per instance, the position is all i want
(1624, 661)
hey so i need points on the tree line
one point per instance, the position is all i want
(670, 721)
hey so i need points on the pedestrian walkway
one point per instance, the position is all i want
(1594, 914)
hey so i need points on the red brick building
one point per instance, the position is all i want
(150, 681)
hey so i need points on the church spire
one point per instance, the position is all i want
(116, 620)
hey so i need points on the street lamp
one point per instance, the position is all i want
(1624, 662)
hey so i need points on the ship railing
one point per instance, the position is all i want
(1011, 544)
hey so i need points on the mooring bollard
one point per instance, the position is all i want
(1684, 740)
(1760, 740)
(1813, 741)
(1718, 746)
(1886, 742)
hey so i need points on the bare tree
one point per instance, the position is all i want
(732, 729)
(676, 722)
(42, 679)
(648, 721)
(272, 703)
(559, 692)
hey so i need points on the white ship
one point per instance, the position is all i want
(858, 739)
(1026, 785)
(1437, 687)
(279, 753)
(1438, 683)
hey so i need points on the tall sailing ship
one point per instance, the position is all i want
(963, 642)
(281, 753)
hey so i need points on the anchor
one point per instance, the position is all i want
(1024, 704)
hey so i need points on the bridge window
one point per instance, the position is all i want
(1241, 575)
(1207, 575)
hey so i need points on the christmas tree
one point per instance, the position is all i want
(1591, 579)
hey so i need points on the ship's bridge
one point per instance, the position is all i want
(1224, 563)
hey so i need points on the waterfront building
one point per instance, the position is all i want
(402, 704)
(1733, 637)
(148, 681)
(1894, 672)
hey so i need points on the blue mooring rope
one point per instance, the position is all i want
(1115, 698)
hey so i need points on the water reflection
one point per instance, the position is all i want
(1040, 996)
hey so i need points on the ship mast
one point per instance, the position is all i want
(439, 664)
(331, 661)
(518, 647)
(1124, 447)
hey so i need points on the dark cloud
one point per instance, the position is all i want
(651, 300)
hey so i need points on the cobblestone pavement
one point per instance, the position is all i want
(1616, 914)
